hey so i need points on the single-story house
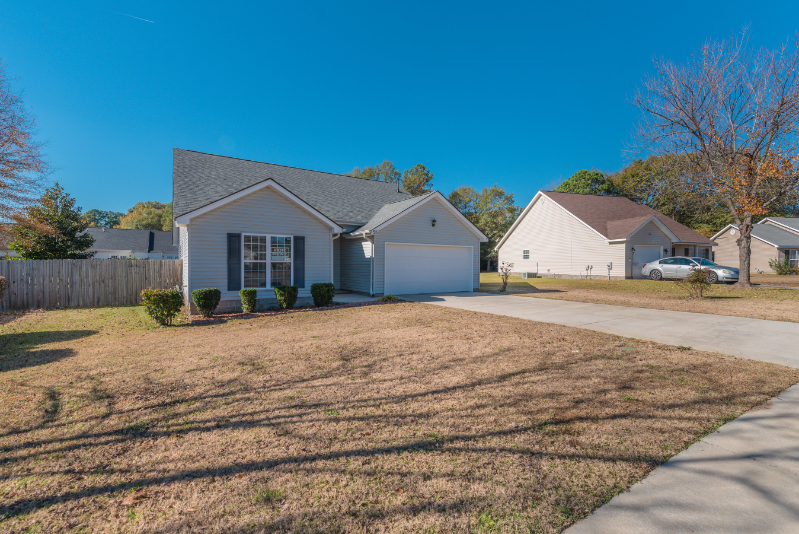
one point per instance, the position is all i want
(121, 243)
(772, 238)
(560, 234)
(248, 224)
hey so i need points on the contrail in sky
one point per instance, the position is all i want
(131, 16)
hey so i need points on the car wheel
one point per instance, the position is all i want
(656, 275)
(712, 277)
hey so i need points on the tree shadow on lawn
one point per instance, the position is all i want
(299, 420)
(17, 351)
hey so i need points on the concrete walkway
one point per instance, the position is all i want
(743, 478)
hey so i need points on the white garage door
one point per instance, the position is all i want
(412, 269)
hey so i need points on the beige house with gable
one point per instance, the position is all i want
(774, 238)
(560, 234)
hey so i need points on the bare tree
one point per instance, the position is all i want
(22, 165)
(733, 112)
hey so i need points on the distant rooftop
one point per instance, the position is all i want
(142, 241)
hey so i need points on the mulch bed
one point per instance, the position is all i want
(224, 317)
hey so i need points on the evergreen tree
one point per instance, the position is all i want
(53, 229)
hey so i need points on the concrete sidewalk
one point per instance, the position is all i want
(744, 478)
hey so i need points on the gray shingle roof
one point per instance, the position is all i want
(775, 235)
(143, 241)
(390, 211)
(791, 222)
(198, 179)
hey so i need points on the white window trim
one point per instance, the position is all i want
(268, 261)
(525, 252)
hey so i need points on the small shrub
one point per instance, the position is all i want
(696, 283)
(322, 293)
(782, 267)
(504, 273)
(206, 300)
(3, 286)
(389, 298)
(286, 296)
(248, 299)
(162, 305)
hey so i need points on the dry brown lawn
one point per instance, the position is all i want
(398, 418)
(775, 280)
(757, 303)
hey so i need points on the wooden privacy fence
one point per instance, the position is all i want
(36, 284)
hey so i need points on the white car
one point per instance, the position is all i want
(680, 267)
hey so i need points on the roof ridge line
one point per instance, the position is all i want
(409, 198)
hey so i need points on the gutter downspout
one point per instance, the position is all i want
(332, 257)
(372, 274)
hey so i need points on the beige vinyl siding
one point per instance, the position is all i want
(560, 244)
(416, 227)
(183, 248)
(727, 252)
(265, 211)
(356, 264)
(648, 235)
(337, 262)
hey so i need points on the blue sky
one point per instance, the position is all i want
(520, 94)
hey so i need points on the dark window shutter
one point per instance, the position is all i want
(233, 262)
(299, 261)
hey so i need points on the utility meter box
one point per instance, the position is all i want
(610, 265)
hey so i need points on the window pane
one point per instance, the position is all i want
(255, 247)
(281, 249)
(254, 274)
(281, 274)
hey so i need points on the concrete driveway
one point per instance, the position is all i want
(768, 341)
(743, 478)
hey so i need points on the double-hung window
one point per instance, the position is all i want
(525, 254)
(255, 260)
(267, 260)
(280, 260)
(793, 258)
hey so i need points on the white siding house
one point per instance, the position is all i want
(573, 235)
(257, 225)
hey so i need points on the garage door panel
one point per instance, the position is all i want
(427, 269)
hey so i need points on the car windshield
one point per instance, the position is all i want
(703, 261)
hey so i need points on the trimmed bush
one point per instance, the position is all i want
(322, 293)
(206, 300)
(286, 296)
(248, 299)
(162, 305)
(389, 298)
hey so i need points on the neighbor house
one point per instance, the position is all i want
(774, 238)
(561, 234)
(121, 243)
(247, 224)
